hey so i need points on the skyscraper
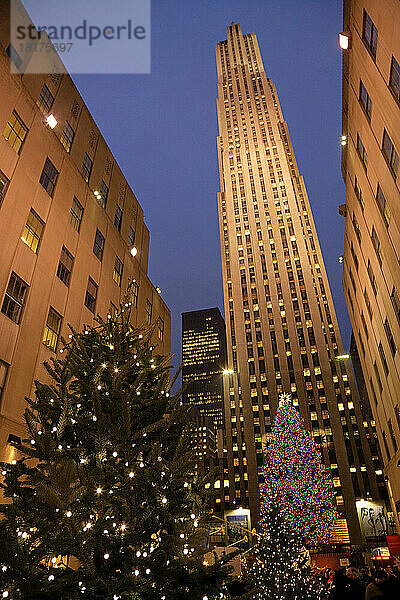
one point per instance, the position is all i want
(282, 332)
(204, 360)
(370, 168)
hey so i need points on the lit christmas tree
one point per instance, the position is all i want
(295, 479)
(104, 502)
(297, 510)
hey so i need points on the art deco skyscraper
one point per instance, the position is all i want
(282, 332)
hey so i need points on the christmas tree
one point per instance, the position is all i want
(295, 479)
(297, 510)
(104, 502)
(281, 569)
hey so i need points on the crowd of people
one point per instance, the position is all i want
(361, 584)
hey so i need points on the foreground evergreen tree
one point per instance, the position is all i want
(297, 510)
(103, 502)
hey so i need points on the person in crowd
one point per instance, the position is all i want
(385, 585)
(347, 586)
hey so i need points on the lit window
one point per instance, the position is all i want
(65, 266)
(14, 298)
(117, 275)
(33, 231)
(118, 217)
(15, 132)
(149, 310)
(91, 295)
(76, 213)
(3, 186)
(67, 136)
(134, 290)
(45, 100)
(160, 329)
(98, 246)
(87, 166)
(48, 178)
(52, 330)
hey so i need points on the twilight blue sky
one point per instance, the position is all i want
(162, 130)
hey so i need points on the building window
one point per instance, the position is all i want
(369, 34)
(383, 206)
(389, 335)
(103, 194)
(376, 244)
(118, 217)
(91, 295)
(14, 299)
(361, 152)
(14, 56)
(117, 275)
(394, 81)
(15, 132)
(131, 236)
(87, 166)
(160, 329)
(76, 214)
(383, 359)
(3, 375)
(356, 228)
(45, 100)
(372, 277)
(134, 289)
(3, 186)
(98, 246)
(52, 330)
(65, 266)
(149, 310)
(113, 312)
(67, 136)
(365, 100)
(358, 193)
(390, 154)
(33, 231)
(48, 178)
(395, 303)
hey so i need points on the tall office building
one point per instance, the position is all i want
(370, 167)
(204, 360)
(72, 233)
(282, 332)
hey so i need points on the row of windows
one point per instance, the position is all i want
(15, 133)
(15, 299)
(370, 39)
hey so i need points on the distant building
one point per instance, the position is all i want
(370, 166)
(282, 330)
(204, 361)
(72, 233)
